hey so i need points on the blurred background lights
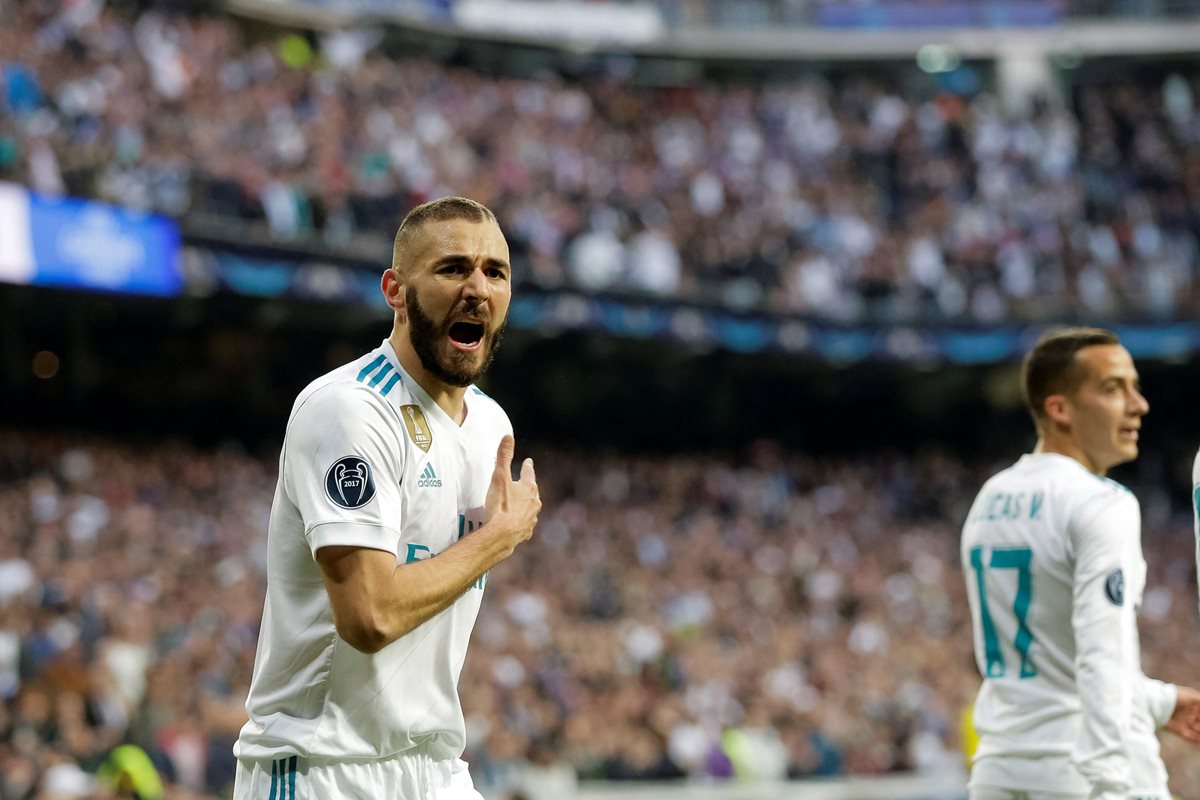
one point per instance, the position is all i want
(45, 365)
(935, 58)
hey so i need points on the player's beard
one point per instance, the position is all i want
(458, 369)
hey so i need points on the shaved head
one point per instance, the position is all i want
(441, 210)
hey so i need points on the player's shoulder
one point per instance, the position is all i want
(363, 386)
(1107, 486)
(1014, 478)
(1095, 497)
(1069, 477)
(1196, 470)
(489, 410)
(1090, 487)
(1065, 485)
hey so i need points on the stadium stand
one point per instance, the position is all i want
(841, 197)
(724, 619)
(754, 618)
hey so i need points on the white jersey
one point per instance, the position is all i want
(1196, 512)
(369, 460)
(1055, 574)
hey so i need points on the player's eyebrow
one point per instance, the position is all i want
(460, 258)
(1110, 380)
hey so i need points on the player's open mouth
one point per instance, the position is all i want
(1129, 433)
(466, 336)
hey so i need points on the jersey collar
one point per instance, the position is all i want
(1053, 458)
(432, 410)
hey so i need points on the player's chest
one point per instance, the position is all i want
(441, 493)
(439, 478)
(438, 489)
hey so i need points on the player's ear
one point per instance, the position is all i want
(1058, 409)
(392, 285)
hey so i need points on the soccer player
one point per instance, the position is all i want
(1196, 512)
(1052, 554)
(395, 497)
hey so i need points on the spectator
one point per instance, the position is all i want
(836, 199)
(780, 616)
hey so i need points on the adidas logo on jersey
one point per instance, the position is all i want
(429, 478)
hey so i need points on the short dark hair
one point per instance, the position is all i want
(439, 210)
(1050, 368)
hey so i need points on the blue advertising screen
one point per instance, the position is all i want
(83, 244)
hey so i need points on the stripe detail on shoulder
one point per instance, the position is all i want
(1110, 483)
(387, 387)
(380, 375)
(369, 368)
(483, 394)
(374, 373)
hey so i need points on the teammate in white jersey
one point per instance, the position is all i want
(387, 462)
(1052, 554)
(1196, 512)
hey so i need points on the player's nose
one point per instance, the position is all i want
(1140, 406)
(476, 285)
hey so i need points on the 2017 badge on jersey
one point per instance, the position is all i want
(348, 483)
(418, 429)
(1114, 587)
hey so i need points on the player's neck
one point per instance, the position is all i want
(1065, 446)
(447, 397)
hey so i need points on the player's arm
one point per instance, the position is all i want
(376, 601)
(1105, 637)
(1173, 708)
(1196, 512)
(1161, 700)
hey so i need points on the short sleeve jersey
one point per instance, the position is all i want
(368, 461)
(1196, 511)
(1054, 570)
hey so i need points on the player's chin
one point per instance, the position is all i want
(1126, 451)
(463, 367)
(466, 360)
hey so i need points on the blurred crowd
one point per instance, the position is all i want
(762, 616)
(837, 197)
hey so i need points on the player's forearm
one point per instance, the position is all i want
(1106, 703)
(375, 602)
(1106, 641)
(1101, 758)
(1159, 698)
(425, 588)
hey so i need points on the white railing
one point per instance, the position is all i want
(1083, 37)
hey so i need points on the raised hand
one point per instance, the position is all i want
(514, 505)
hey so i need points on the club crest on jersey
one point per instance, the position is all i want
(1114, 587)
(348, 483)
(418, 429)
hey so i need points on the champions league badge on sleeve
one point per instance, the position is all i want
(1114, 587)
(348, 483)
